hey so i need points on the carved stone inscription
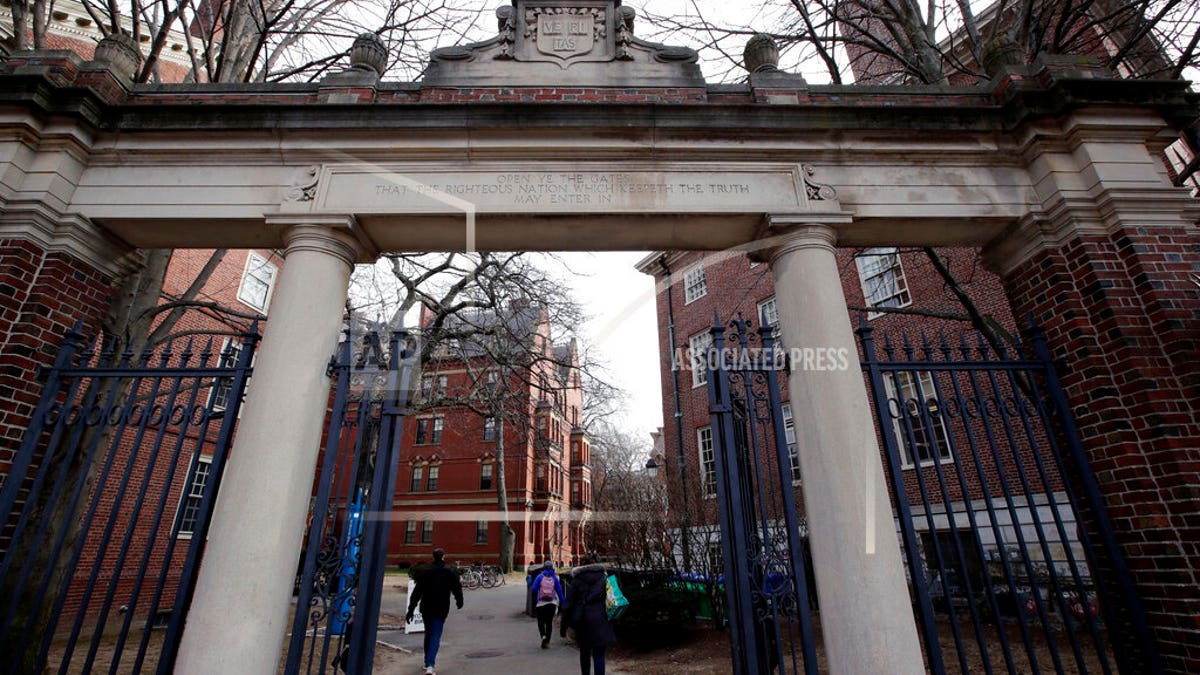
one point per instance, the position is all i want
(564, 191)
(565, 32)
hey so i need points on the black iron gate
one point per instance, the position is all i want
(990, 487)
(342, 567)
(766, 585)
(106, 506)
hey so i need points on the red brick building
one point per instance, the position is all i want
(446, 491)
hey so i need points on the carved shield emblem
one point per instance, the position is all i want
(566, 32)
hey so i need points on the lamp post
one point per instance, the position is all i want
(651, 468)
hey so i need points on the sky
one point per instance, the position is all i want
(623, 329)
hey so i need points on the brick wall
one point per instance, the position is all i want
(1122, 318)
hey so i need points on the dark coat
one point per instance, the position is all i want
(433, 590)
(586, 609)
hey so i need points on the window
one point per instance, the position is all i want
(882, 278)
(485, 477)
(193, 494)
(925, 445)
(698, 345)
(429, 431)
(694, 284)
(427, 533)
(708, 463)
(258, 280)
(426, 387)
(431, 483)
(441, 387)
(481, 527)
(768, 313)
(789, 434)
(410, 532)
(218, 398)
(489, 428)
(541, 477)
(574, 492)
(415, 485)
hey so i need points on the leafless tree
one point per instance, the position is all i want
(630, 504)
(501, 317)
(263, 40)
(905, 41)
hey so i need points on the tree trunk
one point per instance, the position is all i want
(507, 538)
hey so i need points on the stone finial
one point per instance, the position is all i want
(504, 16)
(627, 15)
(761, 54)
(369, 53)
(999, 52)
(119, 53)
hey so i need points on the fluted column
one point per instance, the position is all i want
(866, 616)
(238, 617)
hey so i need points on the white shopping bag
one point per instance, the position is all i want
(417, 625)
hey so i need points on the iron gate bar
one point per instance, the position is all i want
(68, 420)
(874, 370)
(375, 535)
(88, 520)
(791, 522)
(1015, 402)
(343, 571)
(755, 636)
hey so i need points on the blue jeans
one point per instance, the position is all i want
(433, 640)
(590, 655)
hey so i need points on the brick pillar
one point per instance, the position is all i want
(1105, 267)
(42, 294)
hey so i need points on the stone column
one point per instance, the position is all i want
(866, 615)
(239, 615)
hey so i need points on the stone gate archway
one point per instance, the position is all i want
(524, 143)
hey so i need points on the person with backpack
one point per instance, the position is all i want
(586, 610)
(547, 596)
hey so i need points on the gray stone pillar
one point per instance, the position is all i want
(866, 616)
(239, 615)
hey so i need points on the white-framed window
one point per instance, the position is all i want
(431, 481)
(926, 445)
(695, 286)
(429, 431)
(410, 532)
(258, 281)
(768, 312)
(427, 533)
(489, 428)
(789, 434)
(218, 398)
(417, 474)
(708, 463)
(698, 346)
(481, 528)
(882, 277)
(193, 494)
(426, 387)
(485, 476)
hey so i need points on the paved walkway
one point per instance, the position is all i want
(490, 635)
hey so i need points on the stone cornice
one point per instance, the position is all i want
(70, 234)
(989, 107)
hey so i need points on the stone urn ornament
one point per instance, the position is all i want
(369, 53)
(119, 53)
(761, 54)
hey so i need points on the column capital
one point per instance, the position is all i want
(782, 234)
(337, 235)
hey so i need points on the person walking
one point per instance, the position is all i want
(432, 592)
(547, 596)
(586, 610)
